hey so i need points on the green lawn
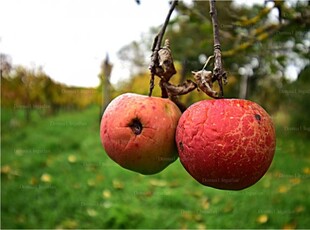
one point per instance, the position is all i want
(55, 174)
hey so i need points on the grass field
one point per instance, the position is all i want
(55, 174)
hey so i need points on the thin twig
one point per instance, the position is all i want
(218, 71)
(157, 44)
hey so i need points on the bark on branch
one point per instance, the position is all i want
(157, 45)
(219, 73)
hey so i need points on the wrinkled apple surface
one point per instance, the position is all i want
(226, 143)
(138, 132)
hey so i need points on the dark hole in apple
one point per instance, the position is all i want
(257, 117)
(136, 126)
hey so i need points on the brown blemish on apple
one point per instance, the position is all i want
(181, 146)
(136, 126)
(257, 117)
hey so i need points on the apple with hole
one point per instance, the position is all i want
(138, 132)
(226, 143)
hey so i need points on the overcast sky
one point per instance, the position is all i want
(70, 38)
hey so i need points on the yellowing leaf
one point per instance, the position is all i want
(46, 178)
(106, 193)
(262, 219)
(72, 158)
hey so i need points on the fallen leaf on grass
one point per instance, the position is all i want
(68, 224)
(33, 181)
(50, 160)
(191, 216)
(91, 182)
(201, 226)
(19, 152)
(144, 194)
(306, 171)
(228, 208)
(76, 186)
(196, 194)
(106, 193)
(6, 169)
(174, 184)
(117, 184)
(91, 212)
(46, 178)
(292, 225)
(216, 199)
(262, 219)
(277, 174)
(72, 158)
(295, 180)
(99, 178)
(205, 203)
(20, 219)
(107, 204)
(283, 189)
(299, 209)
(158, 183)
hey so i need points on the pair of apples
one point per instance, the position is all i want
(226, 143)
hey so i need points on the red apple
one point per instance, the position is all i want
(138, 132)
(226, 143)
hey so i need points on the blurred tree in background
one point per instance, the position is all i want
(33, 90)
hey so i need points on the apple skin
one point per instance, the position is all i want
(227, 144)
(138, 132)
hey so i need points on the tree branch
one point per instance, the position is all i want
(218, 72)
(156, 46)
